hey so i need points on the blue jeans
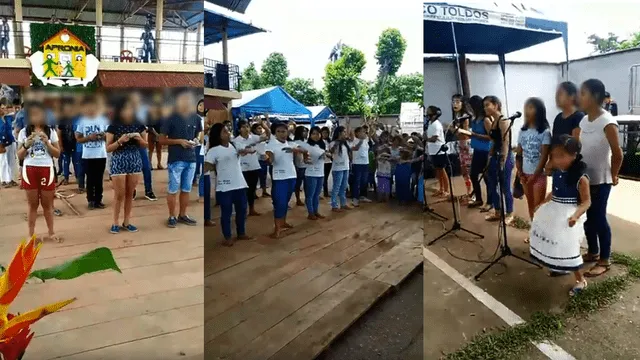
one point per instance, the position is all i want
(280, 196)
(228, 200)
(596, 228)
(339, 189)
(76, 158)
(146, 170)
(201, 180)
(360, 179)
(206, 181)
(312, 190)
(199, 161)
(492, 179)
(180, 176)
(264, 169)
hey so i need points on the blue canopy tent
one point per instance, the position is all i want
(215, 24)
(319, 115)
(455, 28)
(233, 5)
(273, 101)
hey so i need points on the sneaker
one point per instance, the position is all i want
(355, 203)
(172, 222)
(151, 196)
(100, 205)
(130, 228)
(135, 192)
(91, 206)
(187, 220)
(114, 229)
(364, 200)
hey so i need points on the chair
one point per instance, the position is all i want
(27, 51)
(126, 56)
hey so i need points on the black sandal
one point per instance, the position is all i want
(590, 274)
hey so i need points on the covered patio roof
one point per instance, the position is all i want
(233, 5)
(178, 14)
(215, 23)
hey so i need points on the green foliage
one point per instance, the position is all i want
(631, 43)
(96, 260)
(388, 93)
(345, 92)
(40, 33)
(612, 42)
(274, 71)
(390, 50)
(250, 79)
(303, 91)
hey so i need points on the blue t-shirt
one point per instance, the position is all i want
(6, 133)
(86, 126)
(178, 127)
(477, 126)
(531, 142)
(75, 123)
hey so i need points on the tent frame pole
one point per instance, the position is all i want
(457, 55)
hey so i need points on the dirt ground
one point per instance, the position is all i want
(523, 288)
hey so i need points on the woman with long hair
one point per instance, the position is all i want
(37, 147)
(280, 153)
(326, 139)
(462, 109)
(258, 130)
(124, 138)
(314, 174)
(224, 159)
(435, 140)
(481, 144)
(300, 138)
(154, 124)
(603, 156)
(249, 162)
(200, 150)
(532, 153)
(339, 150)
(501, 137)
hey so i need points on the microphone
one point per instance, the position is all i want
(517, 115)
(463, 118)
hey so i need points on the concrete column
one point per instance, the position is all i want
(121, 38)
(17, 30)
(198, 41)
(225, 55)
(98, 48)
(159, 21)
(184, 46)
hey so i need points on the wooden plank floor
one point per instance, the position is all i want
(153, 310)
(290, 298)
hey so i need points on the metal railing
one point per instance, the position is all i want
(218, 75)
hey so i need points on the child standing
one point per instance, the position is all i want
(360, 150)
(384, 173)
(533, 152)
(340, 169)
(314, 175)
(299, 139)
(556, 230)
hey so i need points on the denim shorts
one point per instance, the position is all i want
(181, 175)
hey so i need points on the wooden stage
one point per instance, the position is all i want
(290, 298)
(153, 310)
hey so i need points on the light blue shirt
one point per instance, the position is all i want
(531, 142)
(87, 126)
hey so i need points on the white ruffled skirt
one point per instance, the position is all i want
(552, 242)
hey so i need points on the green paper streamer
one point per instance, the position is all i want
(96, 260)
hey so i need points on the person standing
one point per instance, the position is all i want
(66, 134)
(154, 124)
(200, 150)
(314, 174)
(602, 153)
(141, 114)
(90, 132)
(610, 105)
(481, 144)
(249, 159)
(7, 147)
(180, 133)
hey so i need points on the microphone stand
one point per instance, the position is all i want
(456, 226)
(505, 249)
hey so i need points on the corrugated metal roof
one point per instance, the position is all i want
(177, 13)
(149, 79)
(233, 5)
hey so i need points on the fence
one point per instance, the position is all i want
(218, 75)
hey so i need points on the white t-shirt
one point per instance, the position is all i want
(316, 155)
(229, 175)
(261, 149)
(87, 126)
(203, 148)
(361, 156)
(282, 161)
(38, 154)
(248, 162)
(435, 129)
(327, 159)
(298, 160)
(340, 158)
(596, 151)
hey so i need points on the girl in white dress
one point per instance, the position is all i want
(557, 227)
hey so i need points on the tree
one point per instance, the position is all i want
(303, 91)
(274, 71)
(388, 97)
(250, 79)
(390, 50)
(631, 43)
(344, 91)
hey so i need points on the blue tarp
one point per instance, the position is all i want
(486, 28)
(216, 23)
(319, 114)
(273, 101)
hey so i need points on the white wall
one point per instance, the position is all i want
(440, 79)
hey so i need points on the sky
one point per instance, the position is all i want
(305, 31)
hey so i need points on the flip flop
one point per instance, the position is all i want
(592, 274)
(526, 240)
(578, 288)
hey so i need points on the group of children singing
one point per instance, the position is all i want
(580, 153)
(300, 160)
